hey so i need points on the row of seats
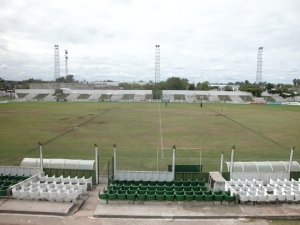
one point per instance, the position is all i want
(245, 182)
(65, 179)
(156, 182)
(158, 188)
(49, 191)
(9, 180)
(262, 196)
(148, 195)
(285, 182)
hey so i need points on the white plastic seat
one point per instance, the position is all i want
(259, 182)
(235, 182)
(295, 182)
(33, 185)
(270, 188)
(88, 181)
(64, 179)
(25, 184)
(78, 189)
(58, 186)
(287, 182)
(24, 192)
(253, 196)
(62, 194)
(271, 198)
(56, 179)
(280, 182)
(83, 187)
(34, 192)
(44, 193)
(80, 180)
(50, 179)
(252, 188)
(262, 197)
(72, 179)
(42, 185)
(43, 178)
(242, 182)
(250, 182)
(289, 195)
(72, 195)
(280, 196)
(244, 196)
(49, 186)
(52, 193)
(297, 197)
(16, 191)
(273, 182)
(67, 187)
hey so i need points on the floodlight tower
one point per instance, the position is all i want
(56, 62)
(259, 65)
(66, 57)
(157, 64)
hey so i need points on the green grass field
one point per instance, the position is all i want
(70, 130)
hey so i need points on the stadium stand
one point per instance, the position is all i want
(202, 97)
(213, 98)
(83, 96)
(72, 97)
(236, 98)
(246, 98)
(179, 97)
(94, 97)
(62, 96)
(128, 97)
(105, 97)
(269, 99)
(50, 97)
(40, 96)
(139, 97)
(30, 96)
(224, 98)
(190, 98)
(116, 97)
(167, 97)
(148, 97)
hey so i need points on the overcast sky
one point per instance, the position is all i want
(215, 41)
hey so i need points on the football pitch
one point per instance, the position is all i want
(146, 132)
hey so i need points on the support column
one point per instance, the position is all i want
(222, 160)
(115, 162)
(96, 160)
(41, 156)
(173, 162)
(231, 161)
(290, 163)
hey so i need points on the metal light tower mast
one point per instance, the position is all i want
(259, 65)
(56, 62)
(66, 57)
(157, 64)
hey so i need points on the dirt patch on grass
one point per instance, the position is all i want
(80, 117)
(64, 118)
(101, 122)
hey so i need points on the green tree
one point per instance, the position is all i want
(175, 83)
(203, 86)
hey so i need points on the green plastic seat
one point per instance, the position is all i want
(198, 196)
(208, 197)
(179, 197)
(218, 197)
(145, 182)
(129, 182)
(159, 192)
(151, 197)
(169, 183)
(141, 192)
(161, 183)
(160, 188)
(137, 182)
(134, 188)
(121, 196)
(152, 182)
(195, 188)
(131, 196)
(179, 193)
(177, 183)
(143, 188)
(178, 188)
(169, 192)
(203, 188)
(102, 196)
(160, 197)
(194, 183)
(121, 182)
(168, 188)
(152, 188)
(185, 188)
(131, 192)
(149, 192)
(189, 197)
(112, 196)
(141, 197)
(170, 197)
(186, 183)
(228, 198)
